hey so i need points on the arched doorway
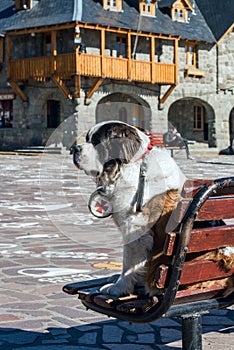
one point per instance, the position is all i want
(125, 107)
(194, 119)
(231, 126)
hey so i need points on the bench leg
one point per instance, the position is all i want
(192, 332)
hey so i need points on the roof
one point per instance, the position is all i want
(218, 14)
(166, 3)
(169, 3)
(51, 12)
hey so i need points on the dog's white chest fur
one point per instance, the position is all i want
(161, 175)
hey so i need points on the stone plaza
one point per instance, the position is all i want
(49, 238)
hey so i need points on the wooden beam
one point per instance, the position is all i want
(40, 29)
(18, 90)
(58, 81)
(94, 87)
(103, 44)
(129, 55)
(125, 31)
(54, 49)
(8, 45)
(77, 73)
(176, 60)
(152, 55)
(167, 94)
(77, 85)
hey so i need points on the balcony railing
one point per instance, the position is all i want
(66, 65)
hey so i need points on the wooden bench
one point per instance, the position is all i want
(200, 229)
(156, 139)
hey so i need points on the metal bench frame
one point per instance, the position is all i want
(191, 312)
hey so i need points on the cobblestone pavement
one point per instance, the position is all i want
(48, 238)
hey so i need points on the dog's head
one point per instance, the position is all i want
(108, 146)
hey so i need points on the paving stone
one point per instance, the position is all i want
(136, 328)
(88, 338)
(112, 333)
(171, 346)
(24, 306)
(87, 328)
(63, 321)
(216, 340)
(169, 335)
(146, 338)
(217, 320)
(166, 322)
(58, 331)
(132, 338)
(9, 317)
(58, 347)
(54, 341)
(129, 347)
(19, 338)
(65, 311)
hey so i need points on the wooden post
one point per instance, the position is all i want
(77, 64)
(8, 38)
(103, 68)
(152, 55)
(129, 57)
(176, 61)
(54, 50)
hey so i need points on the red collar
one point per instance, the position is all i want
(149, 148)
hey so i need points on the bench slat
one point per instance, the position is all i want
(111, 301)
(215, 208)
(199, 271)
(190, 295)
(211, 238)
(193, 272)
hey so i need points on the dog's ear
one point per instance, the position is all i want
(125, 142)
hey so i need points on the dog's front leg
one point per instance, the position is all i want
(134, 259)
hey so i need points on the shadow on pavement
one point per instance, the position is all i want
(163, 334)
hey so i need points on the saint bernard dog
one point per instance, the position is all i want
(140, 187)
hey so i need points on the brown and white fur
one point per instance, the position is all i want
(113, 154)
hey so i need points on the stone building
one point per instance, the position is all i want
(67, 64)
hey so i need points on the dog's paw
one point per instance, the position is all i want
(118, 289)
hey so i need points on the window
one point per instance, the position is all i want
(23, 4)
(191, 55)
(121, 46)
(53, 113)
(147, 7)
(47, 44)
(115, 5)
(6, 111)
(111, 3)
(180, 15)
(198, 118)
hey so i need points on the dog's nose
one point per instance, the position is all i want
(78, 149)
(76, 154)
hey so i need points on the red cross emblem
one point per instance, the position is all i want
(101, 206)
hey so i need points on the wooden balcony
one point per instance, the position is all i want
(66, 65)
